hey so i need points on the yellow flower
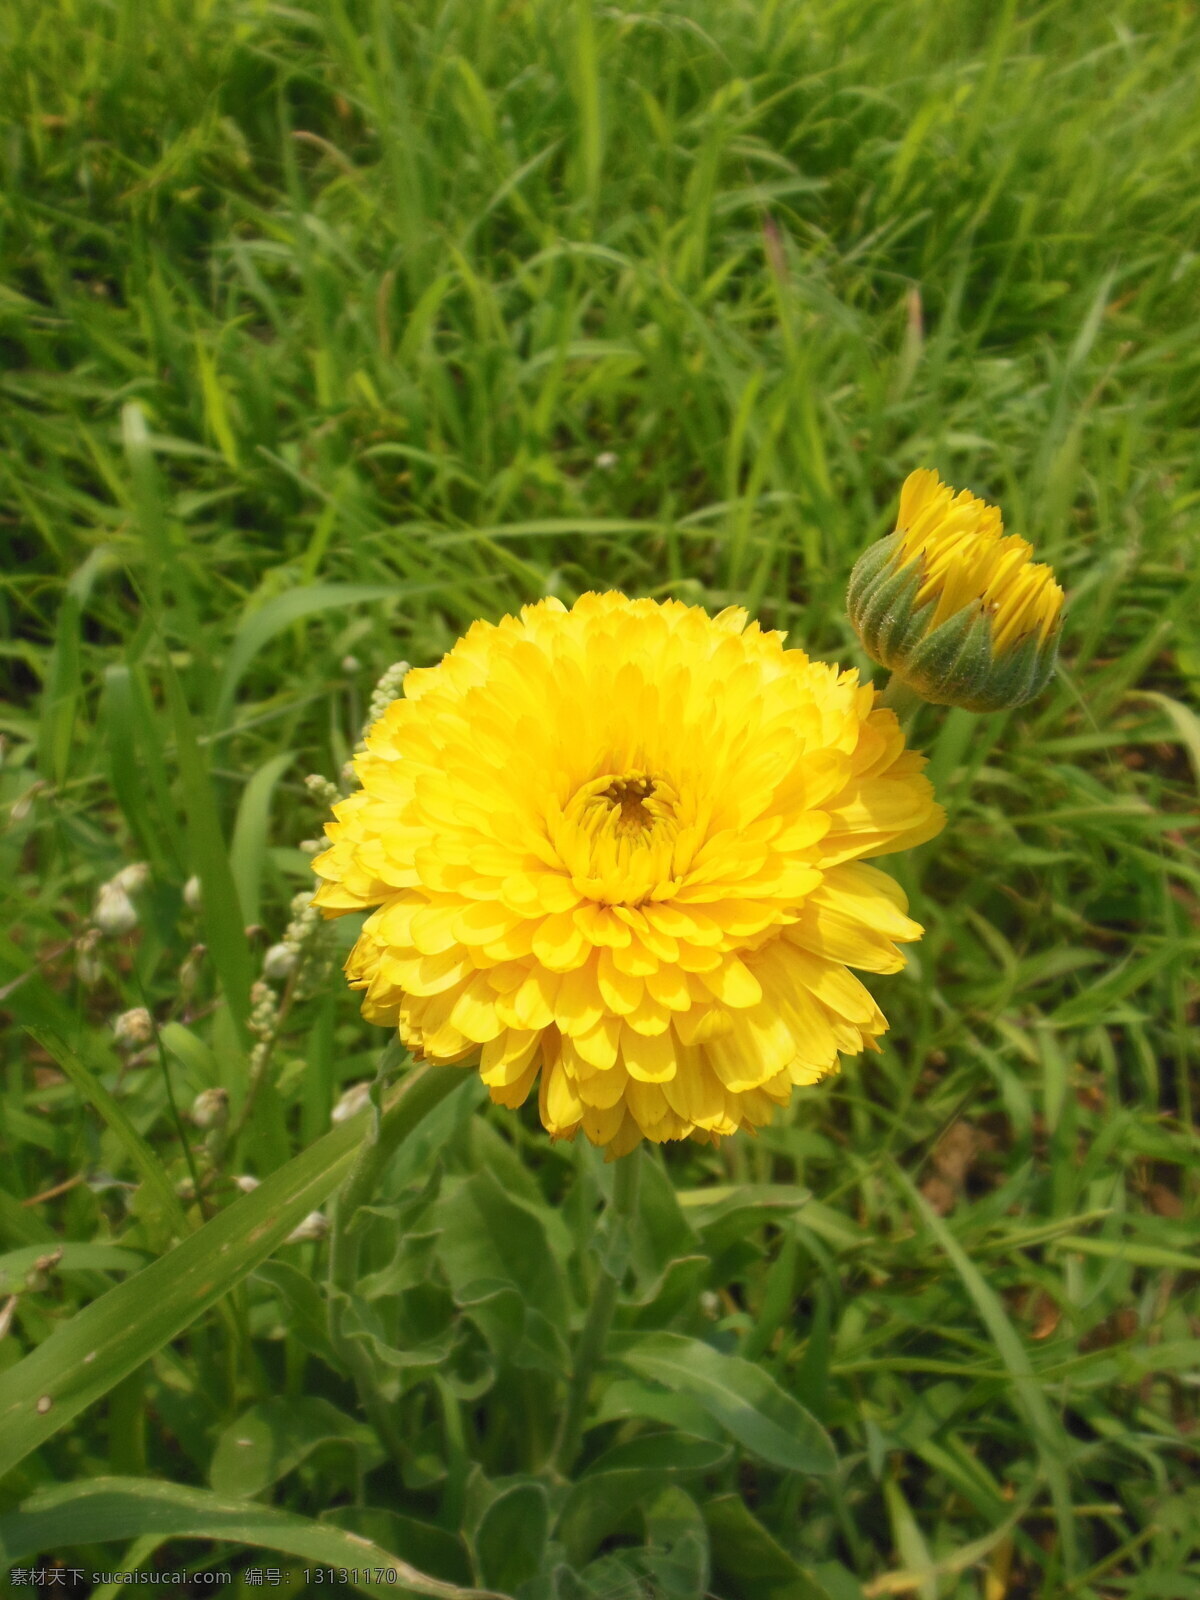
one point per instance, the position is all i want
(620, 848)
(954, 607)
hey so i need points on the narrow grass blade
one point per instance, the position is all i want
(1048, 1433)
(248, 851)
(148, 1166)
(224, 923)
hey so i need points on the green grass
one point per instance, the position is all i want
(325, 331)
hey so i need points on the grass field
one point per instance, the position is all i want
(328, 329)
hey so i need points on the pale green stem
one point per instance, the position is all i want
(900, 698)
(593, 1336)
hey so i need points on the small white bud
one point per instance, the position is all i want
(322, 789)
(606, 460)
(351, 1103)
(192, 893)
(311, 847)
(115, 913)
(210, 1108)
(280, 962)
(314, 1226)
(710, 1303)
(87, 964)
(351, 664)
(132, 879)
(133, 1029)
(246, 1182)
(189, 972)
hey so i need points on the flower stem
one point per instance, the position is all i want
(593, 1336)
(900, 698)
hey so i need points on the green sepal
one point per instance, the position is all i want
(869, 569)
(882, 602)
(950, 666)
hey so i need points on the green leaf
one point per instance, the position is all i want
(748, 1558)
(272, 1438)
(100, 1345)
(511, 1537)
(441, 1554)
(224, 924)
(677, 1558)
(61, 697)
(743, 1398)
(596, 1507)
(248, 851)
(487, 1236)
(661, 1452)
(154, 842)
(260, 626)
(62, 1518)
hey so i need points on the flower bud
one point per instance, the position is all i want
(246, 1182)
(280, 962)
(955, 609)
(132, 879)
(87, 964)
(192, 893)
(115, 912)
(210, 1108)
(351, 1102)
(189, 972)
(314, 1226)
(132, 1029)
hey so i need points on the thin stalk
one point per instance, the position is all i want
(593, 1336)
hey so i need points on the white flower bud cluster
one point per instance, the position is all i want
(264, 1010)
(210, 1108)
(192, 893)
(302, 955)
(386, 690)
(114, 912)
(133, 1029)
(322, 789)
(280, 961)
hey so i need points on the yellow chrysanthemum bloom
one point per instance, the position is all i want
(953, 606)
(621, 848)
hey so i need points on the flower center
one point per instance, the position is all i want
(617, 836)
(631, 795)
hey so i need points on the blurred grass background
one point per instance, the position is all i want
(326, 330)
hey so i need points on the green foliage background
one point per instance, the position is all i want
(328, 329)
